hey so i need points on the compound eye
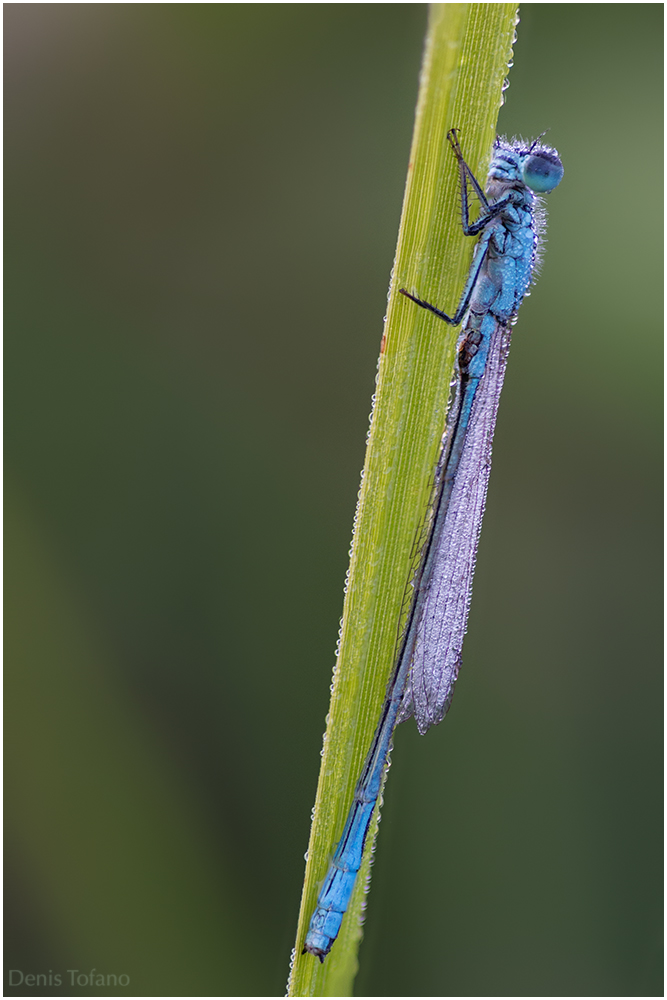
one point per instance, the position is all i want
(542, 173)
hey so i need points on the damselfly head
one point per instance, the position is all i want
(517, 162)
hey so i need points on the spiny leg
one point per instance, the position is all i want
(465, 297)
(490, 211)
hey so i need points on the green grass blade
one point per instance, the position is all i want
(467, 55)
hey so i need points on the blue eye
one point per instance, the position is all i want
(542, 173)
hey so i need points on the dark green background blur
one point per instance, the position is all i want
(201, 211)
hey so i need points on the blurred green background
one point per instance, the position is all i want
(201, 206)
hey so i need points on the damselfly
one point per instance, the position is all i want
(427, 665)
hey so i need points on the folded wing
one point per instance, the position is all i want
(445, 588)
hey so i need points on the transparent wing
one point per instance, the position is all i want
(446, 585)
